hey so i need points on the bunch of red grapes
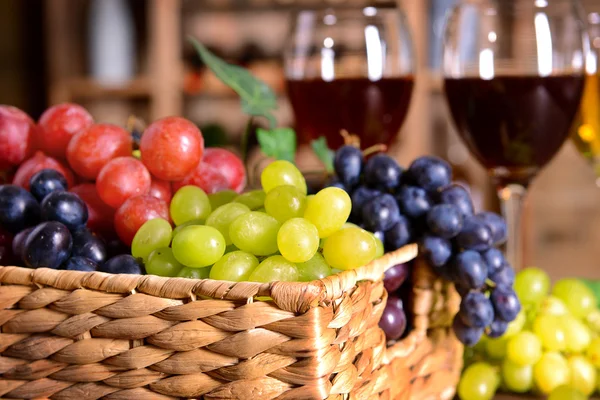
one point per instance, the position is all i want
(88, 186)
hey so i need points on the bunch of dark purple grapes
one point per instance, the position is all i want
(422, 205)
(49, 228)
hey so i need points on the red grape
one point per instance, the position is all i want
(161, 190)
(58, 124)
(228, 165)
(17, 134)
(121, 179)
(135, 212)
(100, 214)
(92, 148)
(37, 163)
(206, 177)
(393, 320)
(395, 277)
(171, 148)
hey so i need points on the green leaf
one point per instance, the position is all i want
(324, 153)
(256, 96)
(279, 143)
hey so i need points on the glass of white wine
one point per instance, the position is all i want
(586, 129)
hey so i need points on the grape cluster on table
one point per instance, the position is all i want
(422, 205)
(551, 349)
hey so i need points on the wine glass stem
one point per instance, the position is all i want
(511, 199)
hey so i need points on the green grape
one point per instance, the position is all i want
(350, 248)
(566, 392)
(280, 173)
(593, 352)
(577, 334)
(262, 210)
(154, 234)
(496, 348)
(577, 296)
(550, 331)
(380, 249)
(188, 204)
(285, 202)
(552, 305)
(593, 321)
(223, 216)
(516, 326)
(524, 348)
(531, 285)
(194, 273)
(335, 271)
(274, 268)
(329, 210)
(517, 378)
(162, 263)
(221, 198)
(583, 374)
(198, 246)
(298, 240)
(313, 269)
(550, 372)
(230, 249)
(478, 382)
(189, 223)
(349, 225)
(255, 232)
(253, 199)
(234, 267)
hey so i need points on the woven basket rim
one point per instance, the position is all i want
(297, 296)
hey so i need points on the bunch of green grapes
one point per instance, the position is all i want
(274, 234)
(551, 349)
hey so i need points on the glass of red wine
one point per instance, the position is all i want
(514, 73)
(350, 69)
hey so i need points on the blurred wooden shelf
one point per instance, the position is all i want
(77, 89)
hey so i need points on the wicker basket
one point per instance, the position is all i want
(76, 335)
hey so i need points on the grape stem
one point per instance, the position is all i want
(374, 149)
(349, 139)
(490, 283)
(245, 136)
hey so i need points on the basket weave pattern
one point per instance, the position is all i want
(75, 335)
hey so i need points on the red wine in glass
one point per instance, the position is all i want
(514, 125)
(372, 110)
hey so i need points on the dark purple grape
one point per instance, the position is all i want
(475, 235)
(398, 235)
(47, 245)
(359, 197)
(430, 173)
(382, 172)
(467, 335)
(66, 208)
(469, 269)
(348, 163)
(494, 260)
(496, 225)
(123, 264)
(395, 277)
(496, 329)
(458, 196)
(505, 302)
(115, 247)
(335, 182)
(445, 220)
(86, 244)
(18, 208)
(503, 276)
(6, 256)
(45, 182)
(393, 320)
(436, 250)
(19, 242)
(380, 213)
(80, 264)
(476, 310)
(414, 201)
(379, 235)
